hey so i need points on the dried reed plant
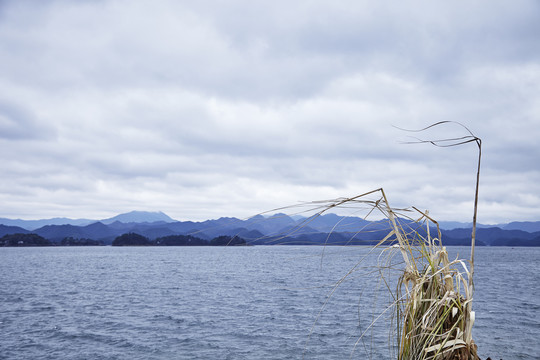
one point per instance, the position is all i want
(435, 304)
(432, 299)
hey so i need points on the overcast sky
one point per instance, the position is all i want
(203, 109)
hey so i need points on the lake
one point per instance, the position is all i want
(257, 302)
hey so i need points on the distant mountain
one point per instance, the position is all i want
(280, 229)
(35, 224)
(58, 232)
(529, 226)
(494, 236)
(139, 217)
(130, 217)
(450, 225)
(100, 231)
(273, 224)
(5, 230)
(335, 223)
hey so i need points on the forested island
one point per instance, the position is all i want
(128, 239)
(157, 229)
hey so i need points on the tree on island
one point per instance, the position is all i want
(24, 240)
(70, 241)
(181, 240)
(131, 239)
(225, 240)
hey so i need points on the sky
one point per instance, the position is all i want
(203, 109)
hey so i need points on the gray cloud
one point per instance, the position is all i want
(18, 123)
(208, 109)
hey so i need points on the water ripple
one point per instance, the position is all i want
(233, 303)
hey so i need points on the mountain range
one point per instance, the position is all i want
(275, 229)
(130, 217)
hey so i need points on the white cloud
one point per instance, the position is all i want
(208, 109)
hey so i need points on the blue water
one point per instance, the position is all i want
(236, 303)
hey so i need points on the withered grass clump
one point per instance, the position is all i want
(433, 295)
(435, 307)
(432, 301)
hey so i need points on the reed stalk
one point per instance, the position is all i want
(433, 295)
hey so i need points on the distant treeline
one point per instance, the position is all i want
(279, 229)
(288, 236)
(134, 239)
(129, 239)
